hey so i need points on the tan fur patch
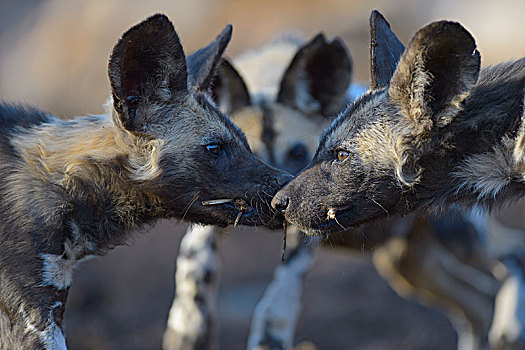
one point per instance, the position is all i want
(383, 149)
(249, 119)
(55, 151)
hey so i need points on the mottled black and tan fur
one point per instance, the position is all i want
(433, 130)
(270, 94)
(74, 188)
(440, 262)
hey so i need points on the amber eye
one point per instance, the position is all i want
(342, 155)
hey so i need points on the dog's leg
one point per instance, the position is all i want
(275, 317)
(508, 326)
(191, 322)
(426, 271)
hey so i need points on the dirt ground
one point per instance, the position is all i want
(121, 301)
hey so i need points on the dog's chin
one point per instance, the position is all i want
(226, 214)
(343, 221)
(268, 220)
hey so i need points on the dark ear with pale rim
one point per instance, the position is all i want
(228, 89)
(318, 77)
(385, 51)
(202, 64)
(147, 64)
(435, 73)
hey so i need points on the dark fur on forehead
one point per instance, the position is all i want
(348, 115)
(204, 100)
(318, 76)
(228, 89)
(202, 63)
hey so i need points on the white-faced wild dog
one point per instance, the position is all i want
(439, 262)
(75, 188)
(432, 130)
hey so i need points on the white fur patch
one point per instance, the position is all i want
(57, 270)
(196, 258)
(278, 311)
(485, 174)
(509, 312)
(52, 336)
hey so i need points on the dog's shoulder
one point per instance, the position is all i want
(22, 116)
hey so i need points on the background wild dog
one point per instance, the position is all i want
(421, 258)
(51, 55)
(429, 132)
(75, 188)
(280, 107)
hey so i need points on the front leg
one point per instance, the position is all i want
(192, 319)
(275, 316)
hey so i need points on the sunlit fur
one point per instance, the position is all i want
(74, 188)
(283, 134)
(440, 132)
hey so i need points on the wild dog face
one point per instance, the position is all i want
(285, 92)
(390, 152)
(196, 154)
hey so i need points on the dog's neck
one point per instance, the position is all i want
(480, 157)
(89, 175)
(76, 188)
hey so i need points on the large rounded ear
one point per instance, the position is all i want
(146, 65)
(385, 51)
(318, 77)
(202, 64)
(228, 89)
(435, 73)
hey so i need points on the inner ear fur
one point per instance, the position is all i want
(435, 73)
(147, 63)
(318, 77)
(228, 89)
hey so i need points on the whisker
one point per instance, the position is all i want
(380, 206)
(195, 196)
(283, 249)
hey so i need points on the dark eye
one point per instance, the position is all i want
(341, 155)
(298, 151)
(215, 148)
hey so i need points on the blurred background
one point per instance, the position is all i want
(54, 54)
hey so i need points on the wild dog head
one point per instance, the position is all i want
(385, 153)
(196, 155)
(281, 93)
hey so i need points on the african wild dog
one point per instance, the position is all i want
(75, 188)
(420, 258)
(278, 97)
(432, 130)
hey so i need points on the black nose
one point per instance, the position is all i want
(280, 202)
(283, 178)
